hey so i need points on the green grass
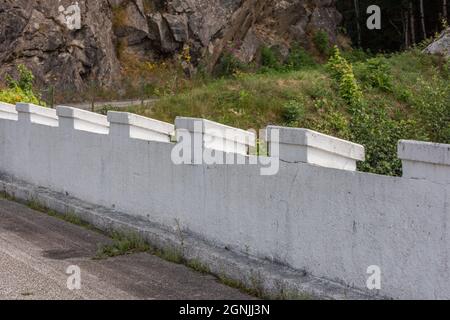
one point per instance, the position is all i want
(405, 96)
(256, 289)
(123, 244)
(67, 217)
(6, 196)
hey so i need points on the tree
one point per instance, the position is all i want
(422, 19)
(412, 22)
(358, 22)
(444, 10)
(405, 22)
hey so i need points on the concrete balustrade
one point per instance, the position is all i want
(425, 160)
(130, 125)
(8, 111)
(36, 114)
(302, 145)
(215, 136)
(82, 120)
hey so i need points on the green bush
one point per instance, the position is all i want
(322, 41)
(432, 109)
(292, 112)
(342, 71)
(374, 128)
(333, 123)
(356, 55)
(376, 73)
(298, 58)
(270, 58)
(16, 95)
(20, 90)
(228, 65)
(446, 69)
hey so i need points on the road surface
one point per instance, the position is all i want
(36, 250)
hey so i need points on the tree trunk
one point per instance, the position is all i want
(422, 20)
(412, 22)
(405, 22)
(358, 22)
(444, 10)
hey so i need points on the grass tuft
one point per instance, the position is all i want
(123, 244)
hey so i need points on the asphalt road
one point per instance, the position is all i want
(36, 250)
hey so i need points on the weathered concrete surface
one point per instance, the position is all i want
(329, 224)
(36, 250)
(269, 277)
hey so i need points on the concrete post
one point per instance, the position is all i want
(307, 146)
(37, 114)
(77, 119)
(216, 136)
(425, 160)
(8, 111)
(130, 125)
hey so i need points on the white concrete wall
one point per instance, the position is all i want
(332, 223)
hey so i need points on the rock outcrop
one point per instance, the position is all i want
(68, 42)
(64, 42)
(441, 45)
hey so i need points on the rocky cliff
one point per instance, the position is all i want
(68, 42)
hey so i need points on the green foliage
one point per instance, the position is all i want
(322, 41)
(293, 112)
(270, 58)
(16, 95)
(370, 126)
(228, 65)
(342, 71)
(330, 100)
(373, 128)
(356, 55)
(432, 109)
(25, 81)
(298, 58)
(376, 73)
(20, 90)
(446, 69)
(123, 244)
(334, 123)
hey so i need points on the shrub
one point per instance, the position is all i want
(446, 69)
(25, 81)
(298, 58)
(228, 65)
(342, 71)
(20, 90)
(432, 109)
(292, 112)
(270, 58)
(376, 73)
(322, 41)
(373, 128)
(16, 95)
(356, 55)
(333, 123)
